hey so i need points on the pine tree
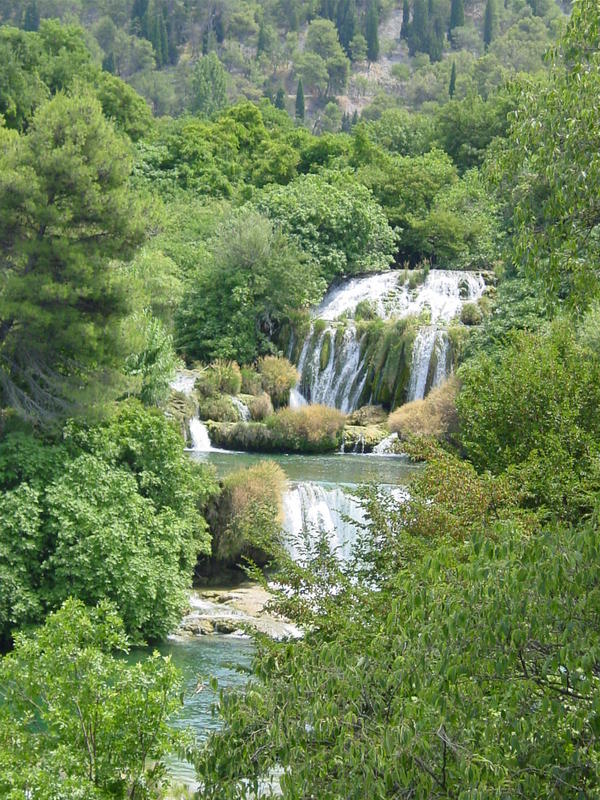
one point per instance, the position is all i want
(457, 15)
(452, 87)
(31, 20)
(404, 31)
(280, 99)
(372, 32)
(139, 13)
(300, 110)
(489, 23)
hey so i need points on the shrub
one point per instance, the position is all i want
(260, 407)
(220, 376)
(365, 310)
(252, 436)
(471, 314)
(311, 429)
(251, 381)
(278, 376)
(247, 520)
(436, 415)
(219, 408)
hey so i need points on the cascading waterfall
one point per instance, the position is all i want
(184, 382)
(242, 409)
(331, 360)
(341, 380)
(200, 440)
(312, 508)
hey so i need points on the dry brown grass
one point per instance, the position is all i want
(249, 513)
(260, 407)
(308, 429)
(278, 376)
(434, 416)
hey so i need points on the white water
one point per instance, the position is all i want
(386, 446)
(296, 399)
(184, 382)
(311, 509)
(341, 381)
(199, 436)
(242, 408)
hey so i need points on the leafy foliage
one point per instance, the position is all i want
(76, 720)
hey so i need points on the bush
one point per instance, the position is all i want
(278, 377)
(471, 314)
(223, 376)
(311, 429)
(436, 415)
(219, 408)
(251, 381)
(260, 406)
(365, 310)
(532, 409)
(246, 521)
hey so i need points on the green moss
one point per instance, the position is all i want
(325, 353)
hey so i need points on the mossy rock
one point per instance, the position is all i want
(325, 353)
(363, 437)
(368, 415)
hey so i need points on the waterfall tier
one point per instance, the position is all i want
(312, 509)
(332, 362)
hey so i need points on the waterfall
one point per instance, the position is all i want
(242, 408)
(331, 362)
(184, 382)
(199, 436)
(387, 446)
(296, 399)
(340, 381)
(315, 508)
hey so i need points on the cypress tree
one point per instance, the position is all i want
(219, 28)
(418, 29)
(452, 87)
(489, 23)
(372, 33)
(404, 30)
(108, 63)
(280, 99)
(354, 118)
(261, 44)
(457, 14)
(164, 40)
(31, 20)
(435, 39)
(346, 23)
(300, 110)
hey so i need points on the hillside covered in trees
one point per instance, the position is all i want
(307, 292)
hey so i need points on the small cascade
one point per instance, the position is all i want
(430, 356)
(331, 362)
(200, 439)
(242, 408)
(184, 382)
(311, 509)
(387, 446)
(296, 399)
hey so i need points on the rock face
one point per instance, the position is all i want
(234, 612)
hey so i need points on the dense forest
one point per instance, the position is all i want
(298, 227)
